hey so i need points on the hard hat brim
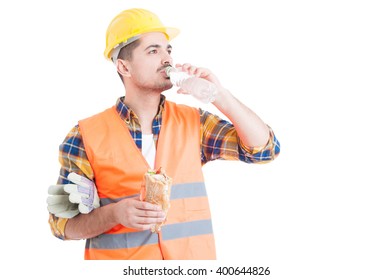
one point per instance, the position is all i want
(170, 33)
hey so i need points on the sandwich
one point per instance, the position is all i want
(156, 190)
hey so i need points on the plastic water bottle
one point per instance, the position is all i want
(201, 89)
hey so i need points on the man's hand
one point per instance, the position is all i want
(133, 213)
(68, 200)
(199, 72)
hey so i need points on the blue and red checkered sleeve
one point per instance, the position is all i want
(73, 158)
(219, 140)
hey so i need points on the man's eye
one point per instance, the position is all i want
(169, 51)
(153, 51)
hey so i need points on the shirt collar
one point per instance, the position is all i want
(126, 113)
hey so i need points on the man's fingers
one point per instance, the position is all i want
(149, 221)
(182, 91)
(194, 70)
(149, 210)
(143, 205)
(202, 72)
(151, 214)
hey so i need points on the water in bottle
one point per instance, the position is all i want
(201, 89)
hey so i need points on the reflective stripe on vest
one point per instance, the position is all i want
(118, 171)
(136, 239)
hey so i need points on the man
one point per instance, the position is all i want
(142, 131)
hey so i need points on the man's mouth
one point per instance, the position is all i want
(163, 69)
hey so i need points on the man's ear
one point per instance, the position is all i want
(123, 67)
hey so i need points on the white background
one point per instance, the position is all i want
(318, 72)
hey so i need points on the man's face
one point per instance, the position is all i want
(149, 60)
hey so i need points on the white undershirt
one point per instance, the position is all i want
(148, 149)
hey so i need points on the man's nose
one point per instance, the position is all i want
(167, 60)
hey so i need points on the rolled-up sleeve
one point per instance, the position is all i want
(73, 158)
(219, 140)
(262, 154)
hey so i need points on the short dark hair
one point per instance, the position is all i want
(126, 52)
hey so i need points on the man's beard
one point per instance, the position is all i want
(157, 86)
(165, 85)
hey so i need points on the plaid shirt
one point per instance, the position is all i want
(219, 140)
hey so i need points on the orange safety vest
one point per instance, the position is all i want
(119, 167)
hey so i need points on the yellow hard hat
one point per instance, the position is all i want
(128, 25)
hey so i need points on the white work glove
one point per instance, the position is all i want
(68, 200)
(59, 204)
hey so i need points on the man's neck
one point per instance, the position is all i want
(145, 106)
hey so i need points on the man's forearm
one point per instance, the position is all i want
(252, 131)
(90, 225)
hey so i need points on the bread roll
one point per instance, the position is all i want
(156, 190)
